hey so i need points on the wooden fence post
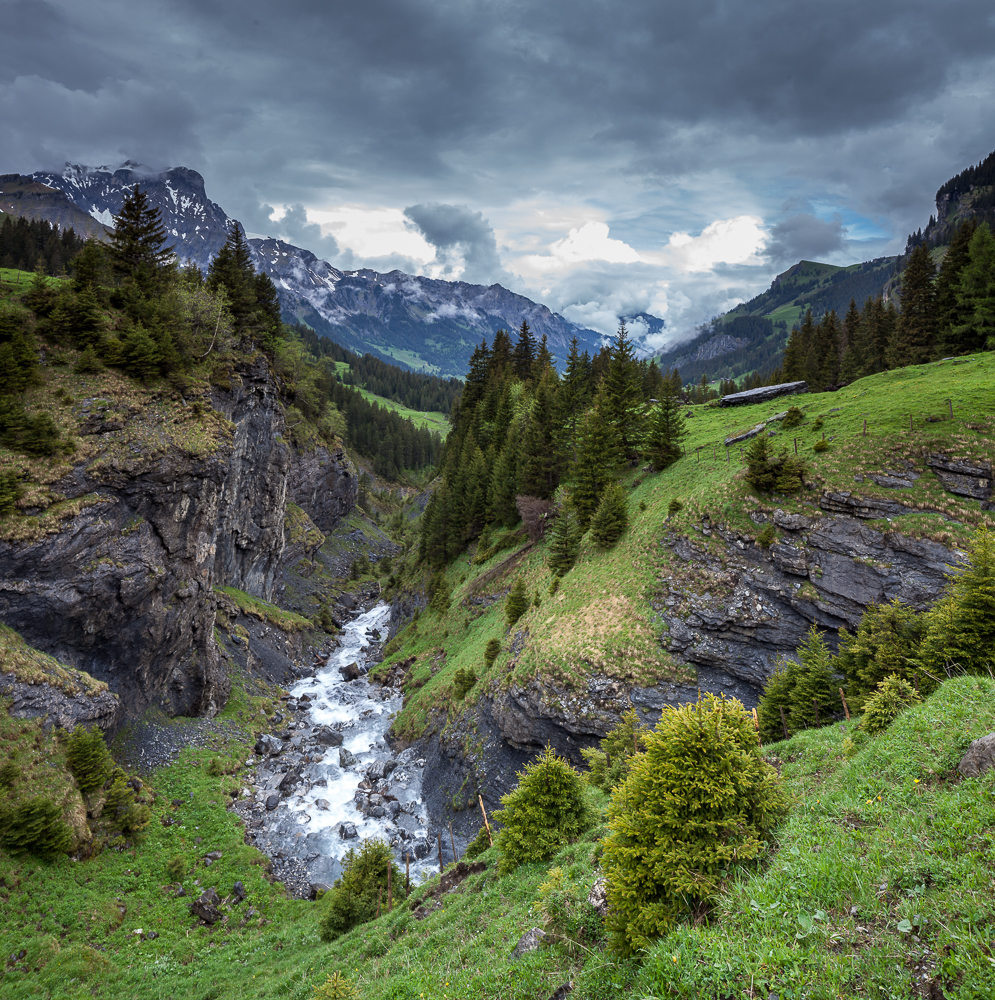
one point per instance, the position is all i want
(846, 707)
(480, 799)
(865, 426)
(452, 840)
(441, 867)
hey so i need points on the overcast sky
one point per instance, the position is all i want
(604, 158)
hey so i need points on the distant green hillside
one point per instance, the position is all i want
(761, 326)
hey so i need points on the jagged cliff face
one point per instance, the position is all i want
(123, 589)
(323, 483)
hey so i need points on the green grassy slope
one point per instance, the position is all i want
(882, 872)
(601, 617)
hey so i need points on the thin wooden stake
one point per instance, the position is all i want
(480, 799)
(440, 853)
(815, 705)
(915, 681)
(727, 453)
(950, 403)
(379, 898)
(390, 888)
(407, 875)
(452, 840)
(846, 707)
(796, 445)
(756, 721)
(865, 426)
(784, 721)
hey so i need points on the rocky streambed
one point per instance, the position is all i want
(326, 779)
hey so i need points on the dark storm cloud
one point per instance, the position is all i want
(295, 228)
(459, 236)
(442, 102)
(804, 237)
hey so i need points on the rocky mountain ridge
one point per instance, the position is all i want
(417, 322)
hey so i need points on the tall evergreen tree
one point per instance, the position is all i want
(950, 314)
(538, 467)
(623, 394)
(611, 519)
(667, 429)
(597, 461)
(137, 247)
(504, 481)
(915, 339)
(564, 539)
(525, 352)
(852, 361)
(976, 294)
(795, 363)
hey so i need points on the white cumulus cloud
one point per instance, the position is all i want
(725, 241)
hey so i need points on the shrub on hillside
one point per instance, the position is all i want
(674, 507)
(886, 642)
(796, 687)
(88, 758)
(177, 868)
(35, 826)
(11, 491)
(516, 603)
(960, 630)
(547, 809)
(893, 696)
(491, 653)
(354, 897)
(699, 802)
(564, 540)
(478, 845)
(793, 418)
(767, 472)
(124, 808)
(611, 519)
(335, 987)
(463, 680)
(609, 763)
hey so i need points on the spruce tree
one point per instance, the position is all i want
(564, 540)
(623, 394)
(775, 699)
(503, 486)
(814, 683)
(517, 602)
(572, 398)
(915, 338)
(976, 295)
(961, 628)
(137, 247)
(611, 519)
(142, 356)
(597, 462)
(538, 466)
(852, 362)
(950, 312)
(525, 353)
(667, 428)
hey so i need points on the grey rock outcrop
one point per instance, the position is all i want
(324, 484)
(529, 941)
(966, 478)
(763, 394)
(980, 757)
(123, 590)
(29, 701)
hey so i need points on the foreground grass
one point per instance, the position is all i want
(881, 876)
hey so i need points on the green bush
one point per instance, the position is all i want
(177, 868)
(88, 758)
(335, 987)
(122, 808)
(609, 764)
(9, 773)
(491, 653)
(796, 686)
(886, 642)
(463, 680)
(353, 899)
(767, 536)
(794, 418)
(821, 445)
(817, 426)
(766, 472)
(478, 845)
(960, 630)
(35, 826)
(440, 593)
(698, 803)
(893, 695)
(547, 809)
(11, 491)
(674, 507)
(563, 907)
(611, 519)
(516, 603)
(89, 363)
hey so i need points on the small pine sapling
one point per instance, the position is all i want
(892, 696)
(611, 519)
(516, 603)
